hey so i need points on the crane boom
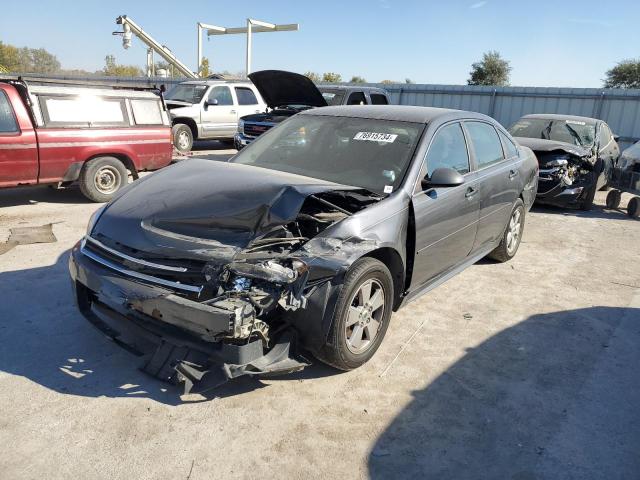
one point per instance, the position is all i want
(163, 51)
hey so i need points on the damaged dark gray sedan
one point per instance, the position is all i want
(305, 241)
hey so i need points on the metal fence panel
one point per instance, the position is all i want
(619, 108)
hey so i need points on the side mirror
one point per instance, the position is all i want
(443, 177)
(616, 137)
(209, 103)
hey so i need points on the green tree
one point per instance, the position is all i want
(357, 79)
(626, 74)
(313, 76)
(27, 60)
(113, 69)
(331, 77)
(204, 68)
(492, 70)
(388, 82)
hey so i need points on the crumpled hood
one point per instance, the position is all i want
(280, 88)
(542, 145)
(204, 206)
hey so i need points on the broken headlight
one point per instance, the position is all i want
(240, 126)
(281, 271)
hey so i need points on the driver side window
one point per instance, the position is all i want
(448, 150)
(221, 94)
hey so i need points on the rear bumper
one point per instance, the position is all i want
(174, 335)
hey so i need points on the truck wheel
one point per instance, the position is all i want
(361, 317)
(101, 177)
(633, 208)
(512, 235)
(182, 137)
(613, 199)
(587, 203)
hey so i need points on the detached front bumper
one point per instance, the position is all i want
(553, 191)
(177, 337)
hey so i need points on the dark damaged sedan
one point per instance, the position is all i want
(576, 155)
(306, 240)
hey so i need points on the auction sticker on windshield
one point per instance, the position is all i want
(376, 137)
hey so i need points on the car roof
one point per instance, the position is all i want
(401, 113)
(557, 116)
(215, 82)
(351, 87)
(78, 90)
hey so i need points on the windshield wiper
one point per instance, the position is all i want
(548, 132)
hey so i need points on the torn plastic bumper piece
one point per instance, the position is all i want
(178, 364)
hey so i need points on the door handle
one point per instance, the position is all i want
(471, 192)
(513, 174)
(232, 111)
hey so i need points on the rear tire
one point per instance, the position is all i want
(101, 177)
(182, 137)
(633, 208)
(613, 199)
(512, 235)
(361, 317)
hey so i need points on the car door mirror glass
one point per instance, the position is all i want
(211, 102)
(443, 177)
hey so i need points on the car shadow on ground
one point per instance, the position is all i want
(11, 197)
(597, 211)
(46, 340)
(555, 396)
(207, 149)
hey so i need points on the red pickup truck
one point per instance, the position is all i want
(60, 134)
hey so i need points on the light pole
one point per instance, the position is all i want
(253, 26)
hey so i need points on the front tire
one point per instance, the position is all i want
(361, 317)
(512, 235)
(102, 177)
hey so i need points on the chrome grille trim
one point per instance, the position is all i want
(134, 274)
(133, 259)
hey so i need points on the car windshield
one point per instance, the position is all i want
(361, 152)
(569, 131)
(186, 93)
(333, 97)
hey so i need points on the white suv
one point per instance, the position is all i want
(210, 109)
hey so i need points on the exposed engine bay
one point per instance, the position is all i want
(564, 168)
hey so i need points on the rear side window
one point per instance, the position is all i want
(378, 99)
(8, 122)
(146, 112)
(357, 98)
(486, 144)
(221, 94)
(448, 150)
(246, 96)
(83, 111)
(510, 149)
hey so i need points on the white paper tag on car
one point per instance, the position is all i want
(376, 137)
(388, 188)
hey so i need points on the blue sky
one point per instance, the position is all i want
(549, 43)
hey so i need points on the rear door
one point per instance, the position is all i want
(219, 113)
(445, 217)
(18, 143)
(497, 177)
(357, 98)
(247, 101)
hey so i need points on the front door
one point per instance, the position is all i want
(446, 217)
(18, 143)
(219, 114)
